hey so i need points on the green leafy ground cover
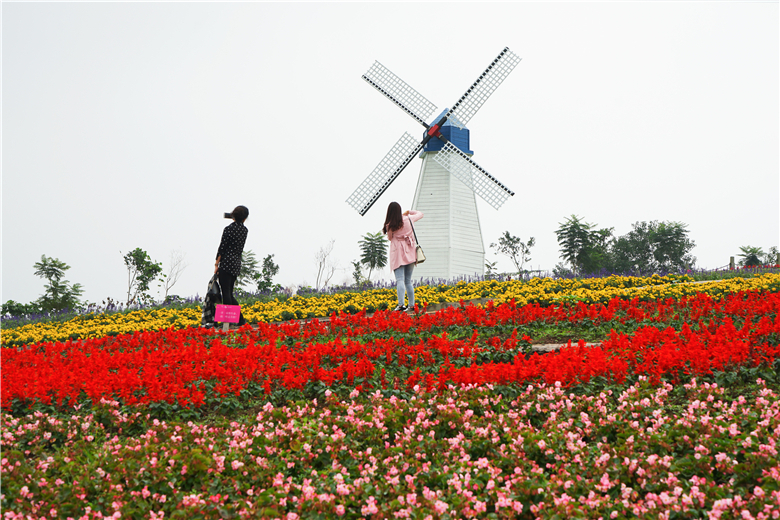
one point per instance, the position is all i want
(599, 450)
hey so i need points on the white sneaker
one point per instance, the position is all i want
(400, 308)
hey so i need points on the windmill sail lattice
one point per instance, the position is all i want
(468, 104)
(400, 93)
(385, 173)
(472, 175)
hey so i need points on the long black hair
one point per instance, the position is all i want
(395, 219)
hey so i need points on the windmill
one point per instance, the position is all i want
(450, 232)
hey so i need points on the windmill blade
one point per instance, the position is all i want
(468, 104)
(472, 175)
(400, 93)
(399, 156)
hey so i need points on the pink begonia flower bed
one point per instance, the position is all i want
(643, 451)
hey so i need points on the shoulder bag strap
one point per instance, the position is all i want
(413, 231)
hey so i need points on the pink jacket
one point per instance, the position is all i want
(402, 244)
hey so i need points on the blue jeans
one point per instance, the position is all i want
(403, 279)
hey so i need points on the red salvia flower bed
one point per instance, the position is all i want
(694, 336)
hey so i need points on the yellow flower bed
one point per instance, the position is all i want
(537, 290)
(546, 290)
(99, 325)
(541, 290)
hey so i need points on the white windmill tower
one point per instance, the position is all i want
(450, 232)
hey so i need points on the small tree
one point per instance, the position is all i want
(574, 237)
(267, 273)
(773, 256)
(517, 250)
(755, 256)
(633, 252)
(249, 274)
(597, 255)
(585, 248)
(59, 294)
(357, 274)
(671, 246)
(141, 272)
(325, 268)
(374, 251)
(751, 256)
(490, 269)
(175, 269)
(256, 277)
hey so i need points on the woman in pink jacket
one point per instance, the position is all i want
(403, 255)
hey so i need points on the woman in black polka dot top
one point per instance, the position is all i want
(228, 263)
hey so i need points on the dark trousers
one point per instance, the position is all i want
(226, 283)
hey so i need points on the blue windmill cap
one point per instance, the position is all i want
(459, 137)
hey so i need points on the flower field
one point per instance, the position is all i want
(674, 413)
(538, 290)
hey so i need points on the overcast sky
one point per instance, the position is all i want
(130, 125)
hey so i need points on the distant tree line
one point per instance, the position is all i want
(650, 247)
(142, 272)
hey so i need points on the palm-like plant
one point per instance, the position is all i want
(60, 294)
(751, 256)
(576, 239)
(373, 249)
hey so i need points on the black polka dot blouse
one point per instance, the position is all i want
(231, 247)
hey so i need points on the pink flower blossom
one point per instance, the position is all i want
(441, 507)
